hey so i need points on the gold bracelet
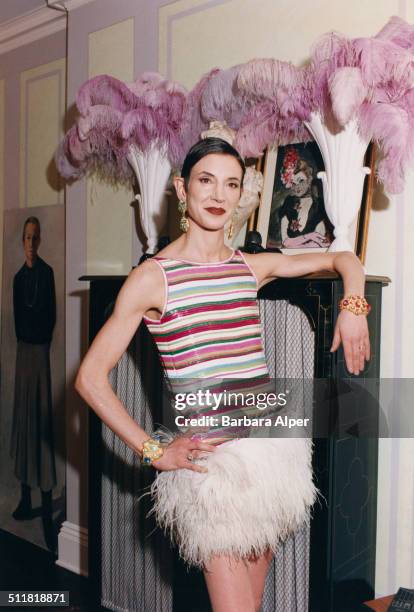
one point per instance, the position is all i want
(356, 304)
(151, 451)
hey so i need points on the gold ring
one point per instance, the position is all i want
(190, 457)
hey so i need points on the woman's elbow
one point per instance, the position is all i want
(87, 381)
(81, 382)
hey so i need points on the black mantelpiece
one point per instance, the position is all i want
(342, 557)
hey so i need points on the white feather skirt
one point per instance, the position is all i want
(256, 493)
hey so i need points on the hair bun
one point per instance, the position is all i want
(219, 129)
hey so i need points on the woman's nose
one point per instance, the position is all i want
(218, 194)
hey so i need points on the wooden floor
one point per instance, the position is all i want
(26, 567)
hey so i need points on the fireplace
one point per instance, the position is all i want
(328, 566)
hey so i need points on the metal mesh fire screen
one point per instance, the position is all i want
(137, 560)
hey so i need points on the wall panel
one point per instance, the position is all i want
(109, 211)
(42, 106)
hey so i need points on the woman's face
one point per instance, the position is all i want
(300, 184)
(214, 190)
(31, 241)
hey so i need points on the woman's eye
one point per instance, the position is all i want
(205, 179)
(234, 185)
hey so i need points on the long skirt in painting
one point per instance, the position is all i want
(32, 440)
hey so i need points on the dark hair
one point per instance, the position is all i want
(33, 220)
(206, 147)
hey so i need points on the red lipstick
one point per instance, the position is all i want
(215, 211)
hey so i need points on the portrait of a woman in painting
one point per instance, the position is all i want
(297, 217)
(32, 436)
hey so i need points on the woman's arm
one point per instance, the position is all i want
(143, 290)
(138, 294)
(16, 308)
(351, 329)
(51, 301)
(284, 227)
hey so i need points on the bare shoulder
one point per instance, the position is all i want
(143, 290)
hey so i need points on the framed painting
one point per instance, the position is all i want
(292, 215)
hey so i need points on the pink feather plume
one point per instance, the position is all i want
(347, 92)
(106, 90)
(399, 32)
(223, 100)
(193, 122)
(265, 100)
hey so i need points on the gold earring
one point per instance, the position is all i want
(184, 223)
(230, 230)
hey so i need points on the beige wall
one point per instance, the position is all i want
(195, 36)
(109, 210)
(1, 183)
(32, 106)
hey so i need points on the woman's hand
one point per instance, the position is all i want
(312, 239)
(177, 452)
(352, 331)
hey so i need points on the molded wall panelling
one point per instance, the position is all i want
(405, 231)
(109, 211)
(42, 106)
(112, 50)
(196, 36)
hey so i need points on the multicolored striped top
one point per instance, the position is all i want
(210, 324)
(210, 329)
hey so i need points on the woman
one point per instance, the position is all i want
(32, 439)
(198, 299)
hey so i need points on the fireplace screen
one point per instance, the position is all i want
(136, 558)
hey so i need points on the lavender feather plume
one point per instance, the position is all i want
(193, 121)
(276, 111)
(266, 101)
(223, 100)
(114, 115)
(105, 90)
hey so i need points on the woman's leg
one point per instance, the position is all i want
(24, 508)
(228, 584)
(257, 569)
(49, 531)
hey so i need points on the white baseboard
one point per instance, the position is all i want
(73, 548)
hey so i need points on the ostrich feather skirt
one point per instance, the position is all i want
(255, 494)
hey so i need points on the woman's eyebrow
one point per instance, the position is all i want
(205, 172)
(230, 178)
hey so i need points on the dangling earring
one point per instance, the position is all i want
(184, 223)
(230, 230)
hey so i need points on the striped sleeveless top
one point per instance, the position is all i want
(210, 330)
(210, 324)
